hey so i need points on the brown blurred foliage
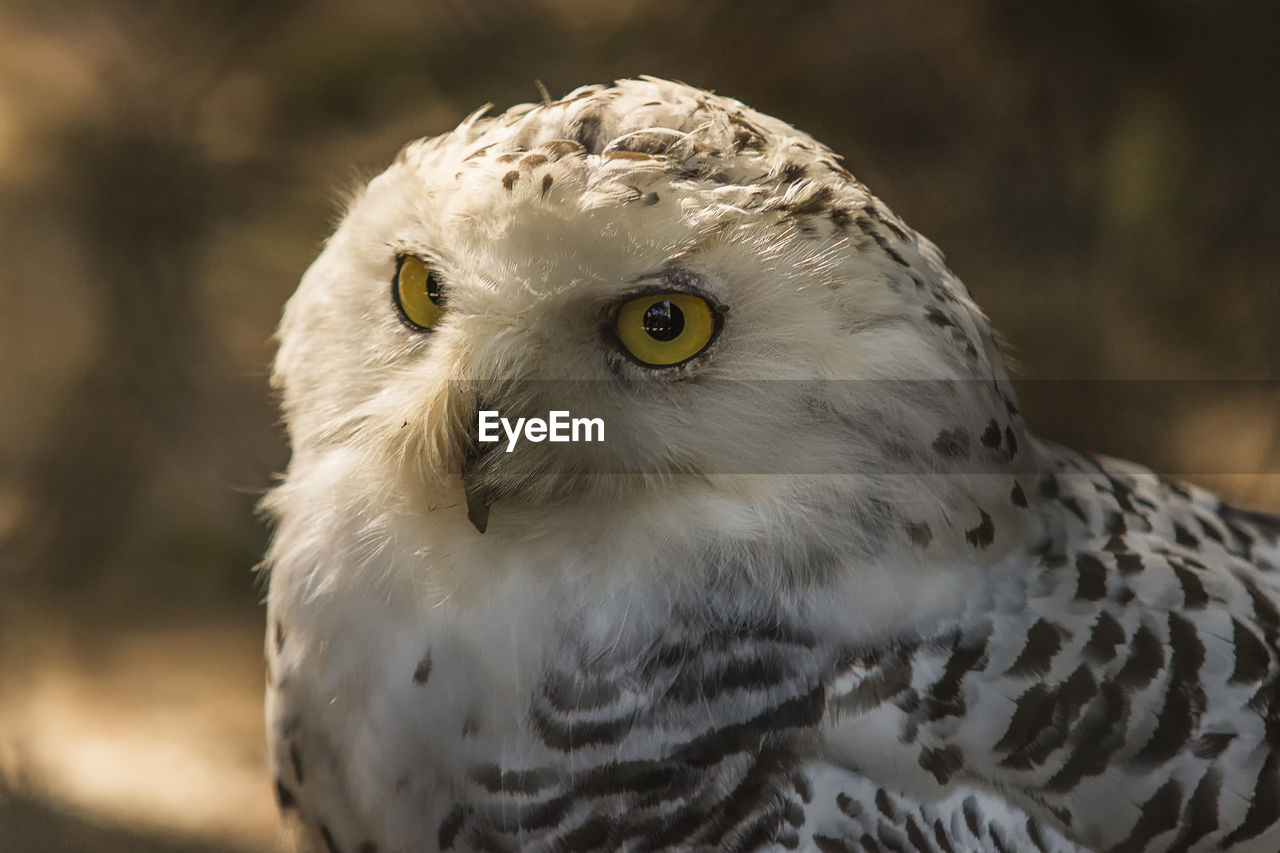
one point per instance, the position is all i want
(1101, 174)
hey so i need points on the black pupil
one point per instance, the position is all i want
(663, 321)
(434, 292)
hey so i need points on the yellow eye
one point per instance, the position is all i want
(418, 292)
(665, 329)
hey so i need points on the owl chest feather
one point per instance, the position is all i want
(535, 723)
(719, 716)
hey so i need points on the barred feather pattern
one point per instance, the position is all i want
(1128, 695)
(1124, 695)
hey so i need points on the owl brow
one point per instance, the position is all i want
(671, 272)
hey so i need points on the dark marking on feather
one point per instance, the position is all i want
(919, 533)
(1184, 537)
(1036, 835)
(815, 202)
(937, 318)
(916, 836)
(971, 817)
(943, 763)
(1264, 808)
(1011, 442)
(940, 836)
(848, 805)
(952, 444)
(1106, 635)
(945, 698)
(1091, 583)
(983, 534)
(586, 128)
(622, 154)
(422, 671)
(1129, 563)
(791, 173)
(447, 834)
(1099, 734)
(1074, 505)
(1201, 814)
(1212, 744)
(1146, 657)
(1184, 699)
(1158, 814)
(494, 779)
(1043, 642)
(558, 149)
(1252, 660)
(1194, 596)
(991, 435)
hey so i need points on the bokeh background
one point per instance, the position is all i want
(1102, 174)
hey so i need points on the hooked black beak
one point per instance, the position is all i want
(477, 508)
(477, 496)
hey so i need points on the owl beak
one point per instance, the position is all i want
(477, 507)
(477, 495)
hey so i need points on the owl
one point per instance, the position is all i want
(655, 487)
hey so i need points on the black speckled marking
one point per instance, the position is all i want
(943, 763)
(1092, 578)
(952, 444)
(1129, 563)
(422, 671)
(991, 435)
(919, 533)
(982, 535)
(1011, 442)
(848, 805)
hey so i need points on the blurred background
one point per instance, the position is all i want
(1102, 175)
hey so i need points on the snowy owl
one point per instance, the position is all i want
(655, 487)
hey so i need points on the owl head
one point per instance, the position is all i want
(789, 378)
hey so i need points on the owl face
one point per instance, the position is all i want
(707, 281)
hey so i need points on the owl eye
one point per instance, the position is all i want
(418, 292)
(666, 329)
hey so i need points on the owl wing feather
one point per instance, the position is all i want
(1124, 691)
